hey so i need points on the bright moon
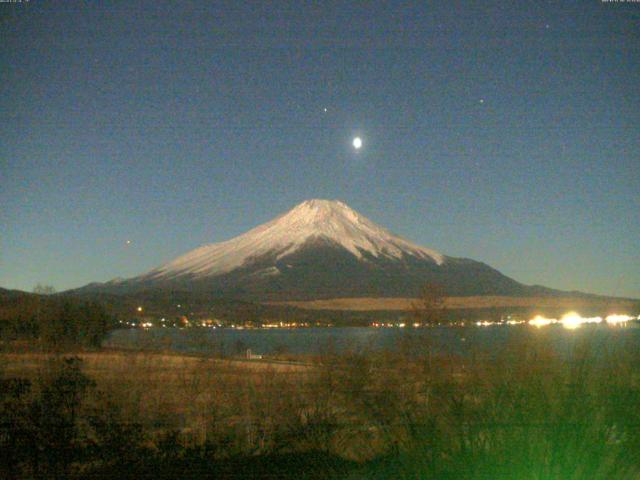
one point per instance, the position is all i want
(357, 143)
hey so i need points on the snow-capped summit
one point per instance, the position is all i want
(331, 221)
(336, 221)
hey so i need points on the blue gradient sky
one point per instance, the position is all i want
(507, 132)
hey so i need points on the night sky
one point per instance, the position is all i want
(507, 132)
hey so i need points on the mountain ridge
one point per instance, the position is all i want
(316, 218)
(319, 249)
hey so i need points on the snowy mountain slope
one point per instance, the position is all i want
(319, 249)
(332, 221)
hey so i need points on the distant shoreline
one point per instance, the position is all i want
(363, 304)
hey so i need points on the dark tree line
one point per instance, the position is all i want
(54, 322)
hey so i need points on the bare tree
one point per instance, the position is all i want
(41, 289)
(429, 307)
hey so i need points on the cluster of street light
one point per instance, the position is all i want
(573, 320)
(570, 321)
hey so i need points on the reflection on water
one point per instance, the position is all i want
(320, 340)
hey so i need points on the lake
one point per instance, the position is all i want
(455, 340)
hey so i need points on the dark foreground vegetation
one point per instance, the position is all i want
(521, 413)
(53, 322)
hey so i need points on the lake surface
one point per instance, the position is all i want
(455, 340)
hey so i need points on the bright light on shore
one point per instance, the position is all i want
(572, 320)
(540, 321)
(485, 324)
(616, 319)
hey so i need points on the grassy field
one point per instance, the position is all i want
(476, 302)
(169, 391)
(522, 412)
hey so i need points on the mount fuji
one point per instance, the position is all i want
(319, 249)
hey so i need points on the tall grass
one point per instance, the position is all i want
(525, 412)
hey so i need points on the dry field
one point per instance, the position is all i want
(522, 412)
(119, 363)
(400, 304)
(168, 391)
